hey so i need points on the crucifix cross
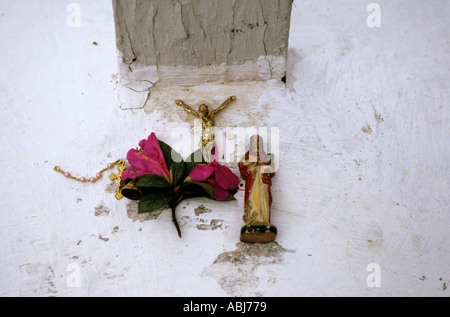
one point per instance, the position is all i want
(121, 167)
(207, 117)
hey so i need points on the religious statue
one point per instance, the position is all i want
(256, 171)
(207, 118)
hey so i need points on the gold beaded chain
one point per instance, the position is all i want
(120, 167)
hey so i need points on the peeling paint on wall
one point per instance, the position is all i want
(132, 212)
(101, 210)
(248, 270)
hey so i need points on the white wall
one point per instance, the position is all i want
(345, 195)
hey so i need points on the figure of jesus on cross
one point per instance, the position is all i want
(207, 118)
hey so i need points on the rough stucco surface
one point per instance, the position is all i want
(363, 178)
(201, 32)
(197, 41)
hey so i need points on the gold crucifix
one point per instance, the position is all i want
(207, 118)
(121, 167)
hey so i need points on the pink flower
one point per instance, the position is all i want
(147, 160)
(220, 177)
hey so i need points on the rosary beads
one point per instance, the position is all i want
(120, 166)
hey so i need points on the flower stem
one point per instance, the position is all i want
(174, 219)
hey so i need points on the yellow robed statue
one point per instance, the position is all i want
(256, 171)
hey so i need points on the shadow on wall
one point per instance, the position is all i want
(293, 57)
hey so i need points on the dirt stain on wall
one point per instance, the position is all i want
(367, 129)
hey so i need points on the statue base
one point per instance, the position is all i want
(258, 233)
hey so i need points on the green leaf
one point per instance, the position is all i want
(153, 201)
(131, 193)
(177, 170)
(199, 189)
(230, 198)
(152, 180)
(129, 190)
(196, 194)
(193, 160)
(174, 161)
